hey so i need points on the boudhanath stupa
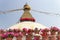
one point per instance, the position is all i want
(27, 20)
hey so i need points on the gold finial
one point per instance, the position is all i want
(26, 7)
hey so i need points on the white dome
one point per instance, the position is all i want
(29, 25)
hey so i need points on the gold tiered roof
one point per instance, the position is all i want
(26, 15)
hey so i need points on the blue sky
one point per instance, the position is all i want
(9, 19)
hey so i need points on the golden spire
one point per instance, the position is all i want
(26, 7)
(26, 15)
